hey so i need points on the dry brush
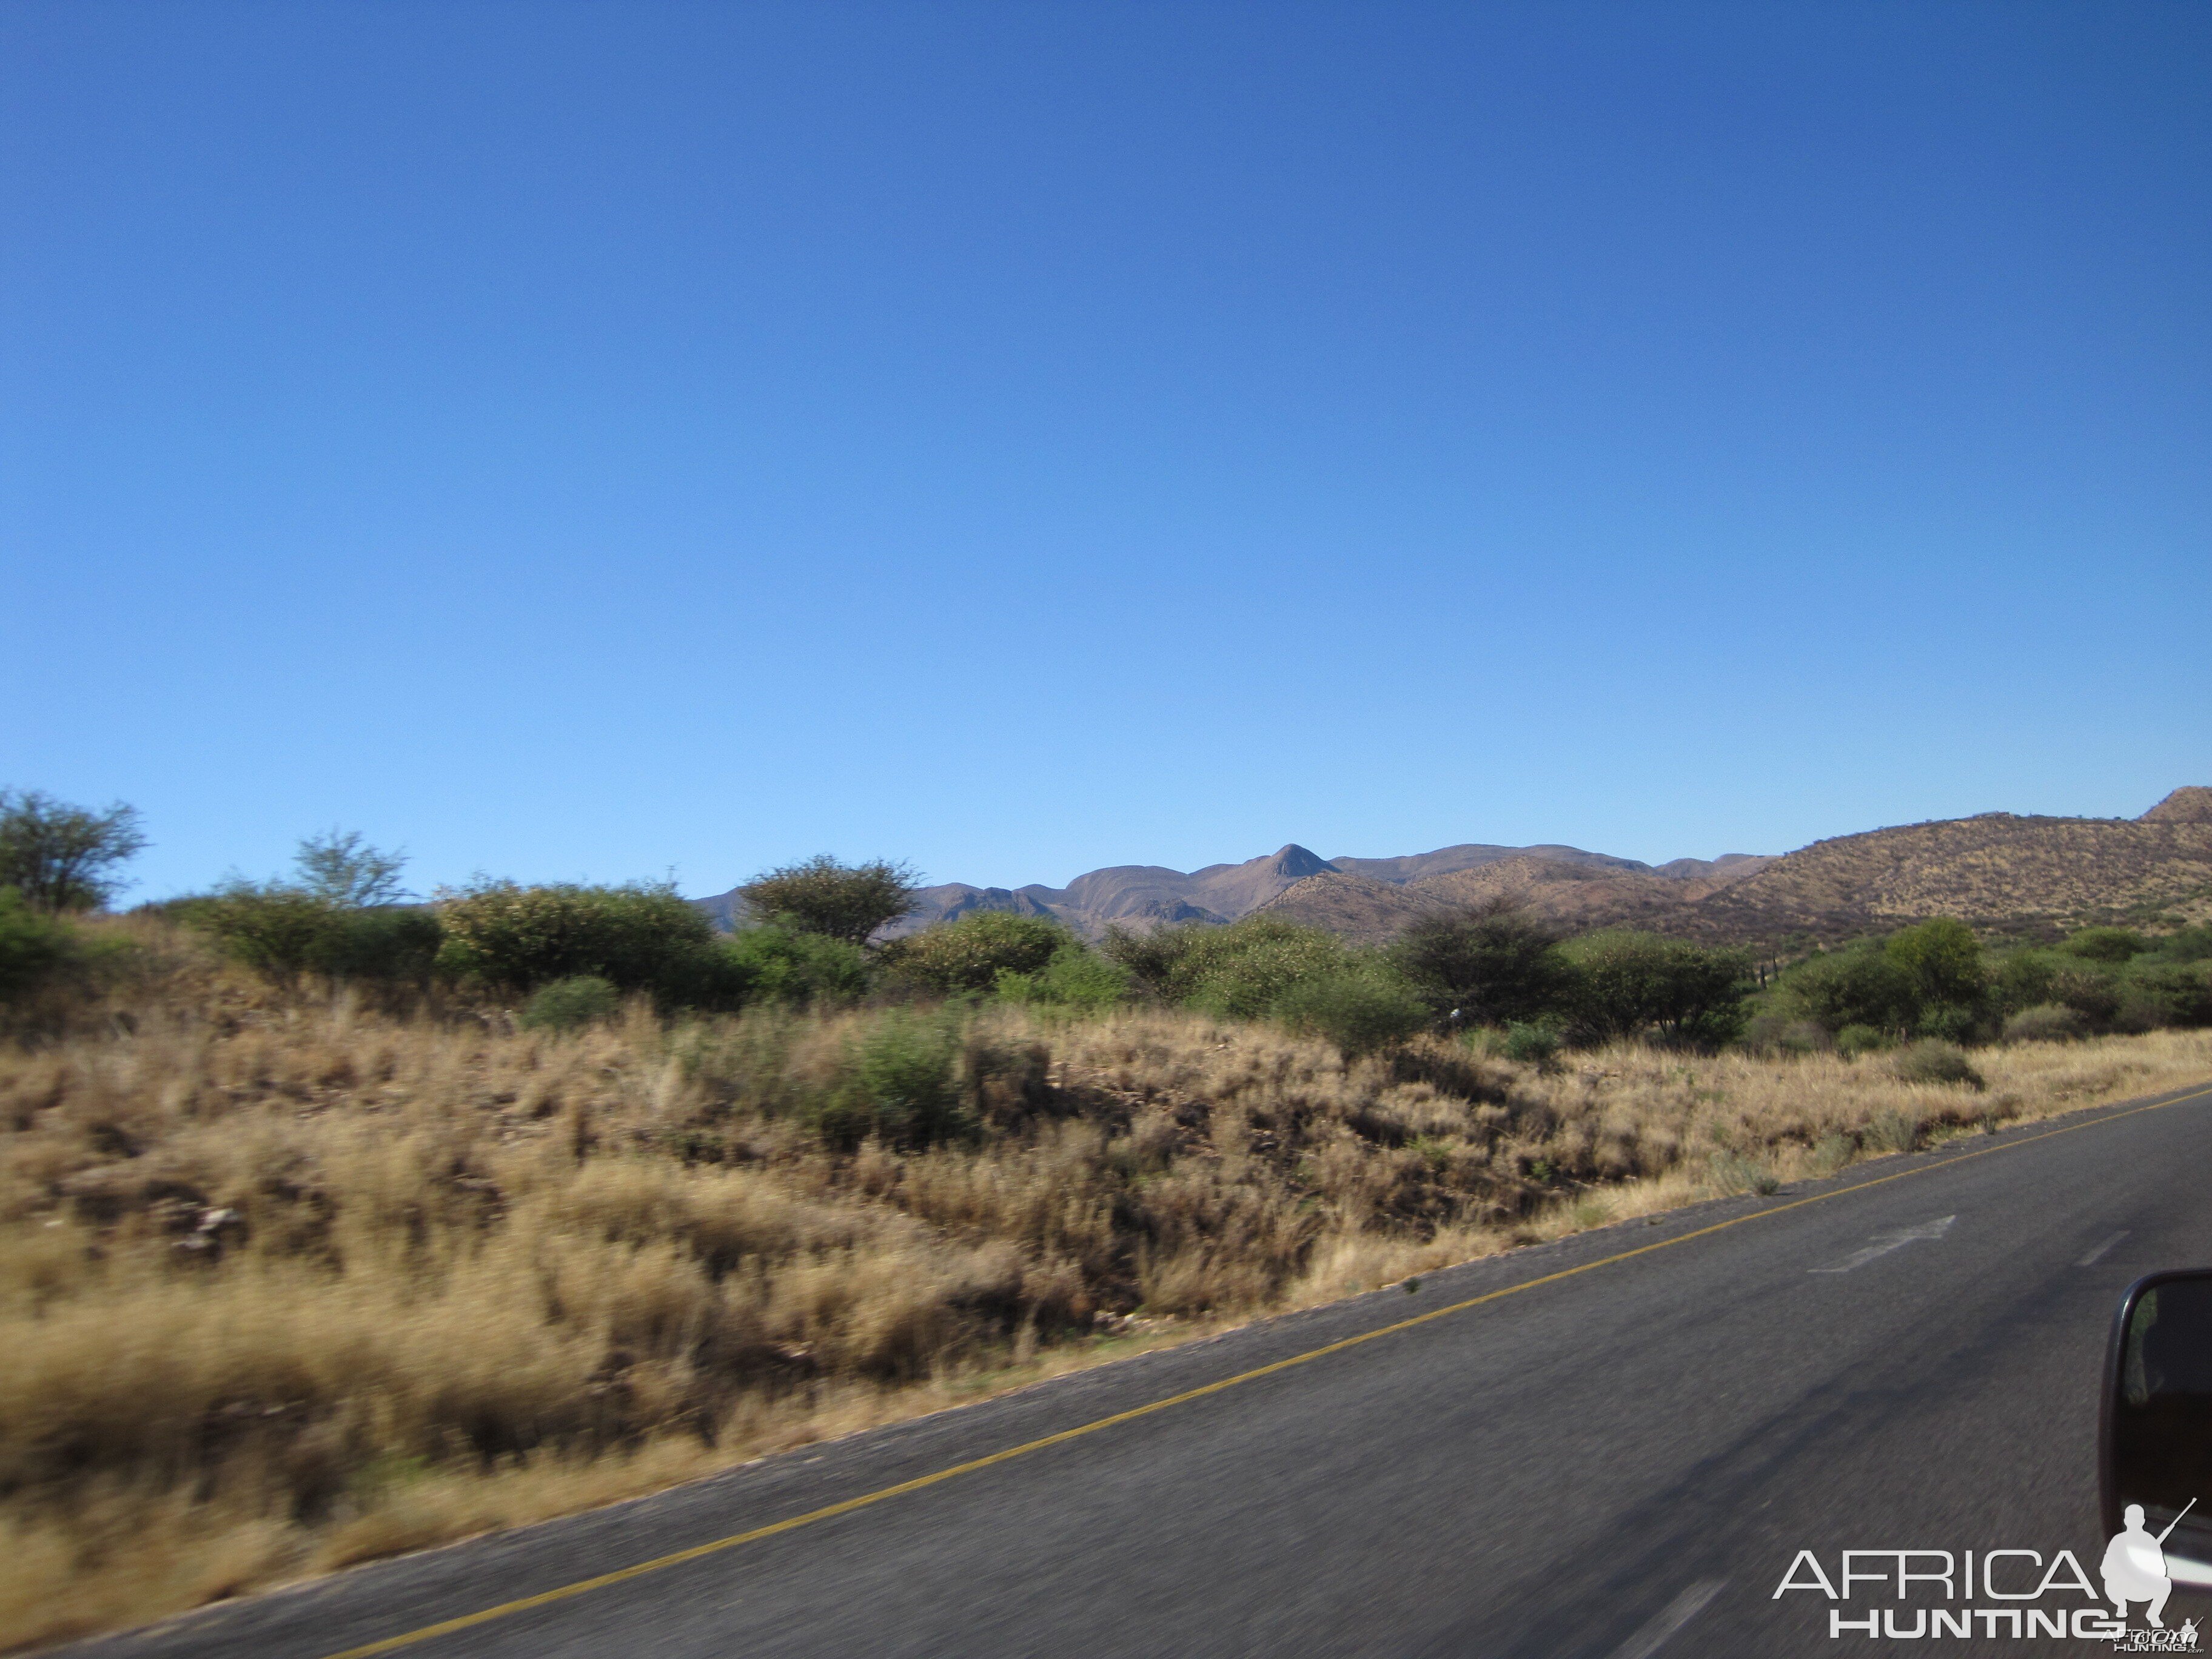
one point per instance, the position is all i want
(292, 1283)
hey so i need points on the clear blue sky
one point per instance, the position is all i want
(596, 440)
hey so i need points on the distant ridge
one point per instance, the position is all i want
(1142, 896)
(2000, 872)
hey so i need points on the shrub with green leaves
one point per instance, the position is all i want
(2106, 945)
(569, 1004)
(1942, 960)
(641, 937)
(1858, 985)
(2190, 945)
(35, 949)
(285, 931)
(2091, 990)
(1932, 1060)
(900, 1084)
(2051, 1022)
(2155, 993)
(1855, 1040)
(1359, 1008)
(1951, 1022)
(1492, 966)
(777, 965)
(1076, 978)
(2021, 979)
(1238, 971)
(847, 901)
(1533, 1043)
(969, 954)
(1631, 984)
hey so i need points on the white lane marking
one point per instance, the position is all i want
(1669, 1618)
(2102, 1248)
(1883, 1243)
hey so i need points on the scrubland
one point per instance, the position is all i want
(290, 1281)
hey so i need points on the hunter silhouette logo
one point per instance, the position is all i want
(2135, 1565)
(2011, 1595)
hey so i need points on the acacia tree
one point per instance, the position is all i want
(61, 857)
(339, 868)
(843, 900)
(1493, 964)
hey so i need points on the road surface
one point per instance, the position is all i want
(1620, 1456)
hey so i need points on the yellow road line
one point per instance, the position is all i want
(508, 1609)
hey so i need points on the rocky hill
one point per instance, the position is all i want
(1574, 897)
(1142, 896)
(2003, 873)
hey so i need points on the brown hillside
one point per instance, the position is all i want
(1356, 907)
(2003, 873)
(1574, 897)
(2000, 873)
(2191, 804)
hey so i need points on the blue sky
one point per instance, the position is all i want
(606, 440)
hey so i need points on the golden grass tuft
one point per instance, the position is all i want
(288, 1285)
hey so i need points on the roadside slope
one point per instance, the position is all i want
(1538, 1474)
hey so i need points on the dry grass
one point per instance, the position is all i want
(289, 1286)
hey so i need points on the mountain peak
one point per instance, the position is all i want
(1297, 863)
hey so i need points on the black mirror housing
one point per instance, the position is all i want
(2154, 1437)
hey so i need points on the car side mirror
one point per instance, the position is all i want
(2155, 1439)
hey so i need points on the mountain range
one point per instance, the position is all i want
(2002, 872)
(1144, 896)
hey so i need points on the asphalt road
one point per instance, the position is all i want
(1617, 1462)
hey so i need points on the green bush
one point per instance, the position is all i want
(1932, 1060)
(272, 928)
(642, 937)
(1360, 1009)
(1533, 1043)
(1631, 984)
(285, 931)
(1492, 966)
(2021, 979)
(1855, 1040)
(847, 901)
(35, 950)
(393, 946)
(900, 1084)
(2155, 993)
(2106, 945)
(2190, 945)
(2091, 991)
(1950, 1022)
(1859, 985)
(1942, 960)
(969, 954)
(1075, 978)
(1239, 971)
(569, 1005)
(1264, 968)
(337, 916)
(2051, 1022)
(775, 964)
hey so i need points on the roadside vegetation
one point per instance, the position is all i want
(332, 1225)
